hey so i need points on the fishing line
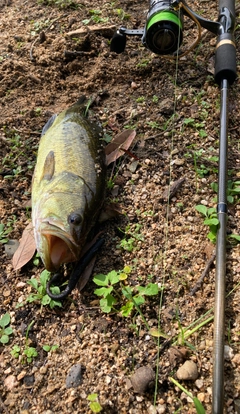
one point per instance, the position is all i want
(179, 55)
(166, 229)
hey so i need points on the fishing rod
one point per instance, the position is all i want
(163, 35)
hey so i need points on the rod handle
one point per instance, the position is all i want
(225, 59)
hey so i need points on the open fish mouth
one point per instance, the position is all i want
(56, 247)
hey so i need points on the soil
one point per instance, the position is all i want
(174, 106)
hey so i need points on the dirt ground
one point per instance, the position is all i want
(175, 109)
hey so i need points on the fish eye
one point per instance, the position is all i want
(75, 219)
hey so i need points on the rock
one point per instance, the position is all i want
(188, 371)
(236, 359)
(228, 352)
(237, 406)
(199, 383)
(166, 106)
(11, 382)
(21, 375)
(143, 379)
(152, 410)
(11, 247)
(29, 380)
(74, 377)
(161, 408)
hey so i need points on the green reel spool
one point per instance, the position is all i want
(164, 30)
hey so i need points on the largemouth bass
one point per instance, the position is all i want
(68, 186)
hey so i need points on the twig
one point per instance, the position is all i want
(204, 273)
(106, 31)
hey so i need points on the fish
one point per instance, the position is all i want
(68, 186)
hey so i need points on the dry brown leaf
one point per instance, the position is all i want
(26, 248)
(119, 145)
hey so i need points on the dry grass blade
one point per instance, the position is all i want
(26, 248)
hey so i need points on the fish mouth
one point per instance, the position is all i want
(57, 247)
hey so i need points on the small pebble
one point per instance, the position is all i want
(10, 382)
(74, 377)
(199, 383)
(10, 247)
(201, 396)
(236, 359)
(188, 371)
(228, 352)
(29, 380)
(161, 408)
(152, 410)
(21, 375)
(237, 406)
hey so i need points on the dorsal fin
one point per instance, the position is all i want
(49, 166)
(48, 124)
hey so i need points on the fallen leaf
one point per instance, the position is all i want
(26, 248)
(157, 333)
(119, 145)
(177, 355)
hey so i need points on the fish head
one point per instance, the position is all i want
(60, 230)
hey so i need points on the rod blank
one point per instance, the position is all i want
(219, 314)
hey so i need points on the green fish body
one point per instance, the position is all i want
(68, 186)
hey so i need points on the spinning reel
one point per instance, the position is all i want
(163, 33)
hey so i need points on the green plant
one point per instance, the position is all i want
(4, 233)
(94, 405)
(211, 220)
(132, 236)
(41, 295)
(154, 124)
(5, 330)
(36, 259)
(198, 405)
(198, 125)
(28, 352)
(233, 190)
(50, 348)
(15, 352)
(143, 63)
(95, 17)
(122, 14)
(130, 297)
(180, 206)
(140, 99)
(38, 111)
